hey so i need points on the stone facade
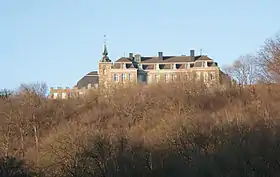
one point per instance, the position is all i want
(137, 69)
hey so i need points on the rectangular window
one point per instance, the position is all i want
(116, 77)
(63, 95)
(197, 75)
(166, 77)
(187, 77)
(173, 77)
(124, 66)
(123, 76)
(205, 76)
(129, 76)
(157, 66)
(173, 66)
(203, 64)
(212, 76)
(157, 77)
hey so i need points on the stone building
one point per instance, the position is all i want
(89, 81)
(137, 69)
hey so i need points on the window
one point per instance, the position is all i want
(212, 76)
(124, 66)
(116, 77)
(166, 77)
(205, 76)
(173, 77)
(63, 95)
(203, 64)
(187, 66)
(197, 75)
(129, 76)
(157, 77)
(173, 66)
(89, 86)
(191, 65)
(55, 95)
(187, 77)
(123, 76)
(157, 66)
(104, 70)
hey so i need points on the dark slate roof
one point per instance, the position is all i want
(166, 59)
(123, 60)
(204, 57)
(198, 64)
(118, 65)
(90, 78)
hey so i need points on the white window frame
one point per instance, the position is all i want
(205, 77)
(157, 77)
(197, 75)
(166, 77)
(124, 66)
(116, 77)
(212, 76)
(173, 76)
(123, 75)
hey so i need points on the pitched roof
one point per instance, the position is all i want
(166, 59)
(123, 59)
(117, 65)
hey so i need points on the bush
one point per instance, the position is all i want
(162, 130)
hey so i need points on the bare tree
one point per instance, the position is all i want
(39, 89)
(269, 59)
(244, 70)
(5, 93)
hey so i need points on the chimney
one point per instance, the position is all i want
(160, 55)
(131, 56)
(192, 53)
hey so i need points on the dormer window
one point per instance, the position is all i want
(173, 66)
(124, 66)
(166, 77)
(123, 76)
(157, 66)
(212, 75)
(191, 65)
(116, 77)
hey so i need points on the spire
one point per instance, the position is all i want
(105, 52)
(105, 57)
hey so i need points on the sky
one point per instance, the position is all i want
(59, 41)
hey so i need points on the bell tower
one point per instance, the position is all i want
(104, 67)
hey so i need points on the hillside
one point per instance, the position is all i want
(164, 130)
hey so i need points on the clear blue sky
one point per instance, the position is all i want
(59, 41)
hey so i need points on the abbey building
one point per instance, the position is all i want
(138, 69)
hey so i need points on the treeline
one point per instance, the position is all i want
(160, 130)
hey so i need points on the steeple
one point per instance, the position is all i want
(105, 57)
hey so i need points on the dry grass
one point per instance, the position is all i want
(163, 130)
